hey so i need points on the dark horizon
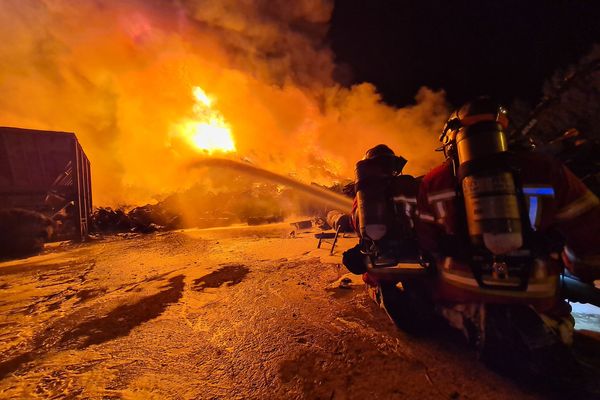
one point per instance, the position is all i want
(505, 49)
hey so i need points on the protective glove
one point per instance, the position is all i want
(354, 260)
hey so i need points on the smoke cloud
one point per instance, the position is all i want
(120, 74)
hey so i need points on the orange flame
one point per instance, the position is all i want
(208, 131)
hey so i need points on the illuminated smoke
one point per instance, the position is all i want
(122, 75)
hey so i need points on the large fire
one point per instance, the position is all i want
(208, 131)
(148, 86)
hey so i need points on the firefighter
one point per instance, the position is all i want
(384, 210)
(496, 221)
(383, 159)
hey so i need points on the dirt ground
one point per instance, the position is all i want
(235, 313)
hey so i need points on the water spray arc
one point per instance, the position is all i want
(318, 194)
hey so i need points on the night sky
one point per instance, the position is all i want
(503, 48)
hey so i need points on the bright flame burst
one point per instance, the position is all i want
(208, 131)
(201, 96)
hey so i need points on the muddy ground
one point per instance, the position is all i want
(236, 313)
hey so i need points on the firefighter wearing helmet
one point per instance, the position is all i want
(489, 217)
(384, 210)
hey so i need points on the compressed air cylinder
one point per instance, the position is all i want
(493, 212)
(490, 195)
(372, 202)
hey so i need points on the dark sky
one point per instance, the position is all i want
(505, 48)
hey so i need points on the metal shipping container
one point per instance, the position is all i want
(48, 172)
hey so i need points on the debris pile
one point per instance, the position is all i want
(198, 207)
(23, 232)
(107, 220)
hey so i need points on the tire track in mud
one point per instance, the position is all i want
(78, 331)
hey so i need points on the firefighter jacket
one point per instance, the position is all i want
(560, 209)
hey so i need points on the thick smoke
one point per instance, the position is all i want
(120, 74)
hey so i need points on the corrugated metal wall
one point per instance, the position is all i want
(45, 171)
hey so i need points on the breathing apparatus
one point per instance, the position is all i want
(384, 229)
(474, 138)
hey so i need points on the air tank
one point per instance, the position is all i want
(372, 178)
(489, 190)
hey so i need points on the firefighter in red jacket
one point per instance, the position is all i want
(490, 218)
